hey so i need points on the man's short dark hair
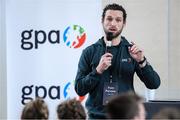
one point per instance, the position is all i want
(114, 6)
(71, 109)
(35, 109)
(125, 106)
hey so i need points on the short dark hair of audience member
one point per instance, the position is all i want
(126, 106)
(71, 109)
(167, 113)
(35, 109)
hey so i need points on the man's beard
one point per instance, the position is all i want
(115, 35)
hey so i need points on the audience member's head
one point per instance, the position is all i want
(35, 109)
(167, 113)
(126, 106)
(71, 109)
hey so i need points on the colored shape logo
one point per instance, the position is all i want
(68, 89)
(74, 36)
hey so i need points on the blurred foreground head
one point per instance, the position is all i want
(126, 106)
(168, 114)
(35, 109)
(71, 109)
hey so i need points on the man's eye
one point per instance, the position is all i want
(109, 19)
(118, 20)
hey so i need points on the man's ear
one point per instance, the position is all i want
(124, 24)
(102, 21)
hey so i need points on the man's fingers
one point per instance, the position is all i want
(108, 55)
(134, 49)
(133, 43)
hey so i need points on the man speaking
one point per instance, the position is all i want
(105, 71)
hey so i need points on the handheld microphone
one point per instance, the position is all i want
(109, 38)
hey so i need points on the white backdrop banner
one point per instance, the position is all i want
(45, 39)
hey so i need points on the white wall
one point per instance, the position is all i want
(174, 50)
(3, 87)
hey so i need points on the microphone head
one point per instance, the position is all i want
(109, 36)
(108, 43)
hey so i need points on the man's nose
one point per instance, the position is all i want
(113, 23)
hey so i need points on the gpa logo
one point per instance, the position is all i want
(74, 36)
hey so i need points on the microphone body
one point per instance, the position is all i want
(109, 38)
(108, 46)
